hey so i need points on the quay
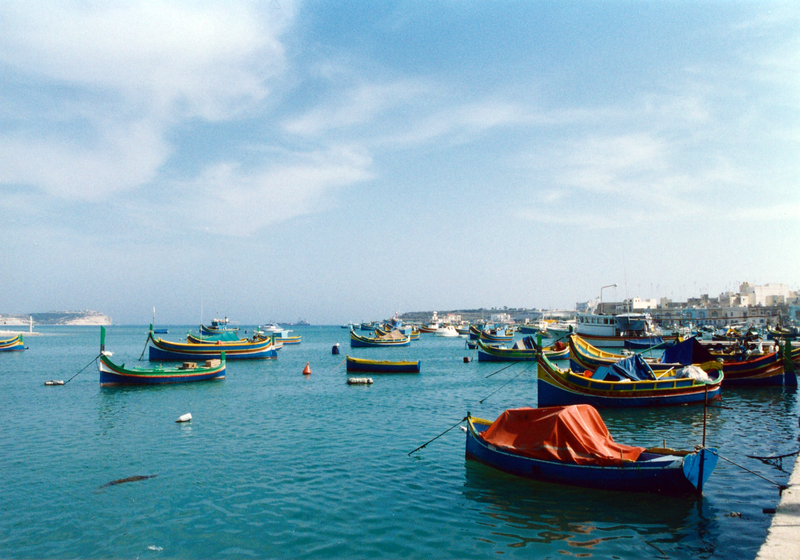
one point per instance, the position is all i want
(783, 537)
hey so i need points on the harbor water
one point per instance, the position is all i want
(277, 464)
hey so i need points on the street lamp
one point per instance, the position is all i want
(602, 310)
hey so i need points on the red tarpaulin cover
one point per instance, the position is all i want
(570, 434)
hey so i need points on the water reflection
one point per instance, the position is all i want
(583, 523)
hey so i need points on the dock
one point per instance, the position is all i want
(783, 537)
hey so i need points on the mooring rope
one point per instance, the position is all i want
(781, 487)
(506, 383)
(440, 435)
(503, 368)
(337, 365)
(76, 375)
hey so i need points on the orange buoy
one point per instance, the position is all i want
(307, 369)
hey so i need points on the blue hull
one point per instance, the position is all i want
(663, 474)
(550, 395)
(360, 344)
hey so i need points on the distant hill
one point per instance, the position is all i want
(57, 318)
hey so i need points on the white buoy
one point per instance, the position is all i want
(359, 381)
(185, 418)
(54, 382)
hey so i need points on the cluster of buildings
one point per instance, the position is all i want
(770, 304)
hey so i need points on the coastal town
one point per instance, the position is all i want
(760, 306)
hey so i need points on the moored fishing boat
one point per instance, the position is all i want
(242, 349)
(496, 334)
(762, 369)
(524, 350)
(282, 336)
(405, 330)
(391, 339)
(628, 382)
(114, 374)
(217, 326)
(13, 344)
(788, 333)
(431, 326)
(360, 365)
(571, 445)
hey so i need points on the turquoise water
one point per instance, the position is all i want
(275, 464)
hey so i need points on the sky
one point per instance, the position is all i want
(342, 161)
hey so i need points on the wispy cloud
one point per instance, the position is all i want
(247, 199)
(126, 72)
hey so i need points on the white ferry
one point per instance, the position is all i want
(612, 331)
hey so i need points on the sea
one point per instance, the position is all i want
(277, 464)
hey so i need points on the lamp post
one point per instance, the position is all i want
(602, 310)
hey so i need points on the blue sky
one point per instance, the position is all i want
(339, 162)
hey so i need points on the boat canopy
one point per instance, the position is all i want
(392, 335)
(225, 336)
(570, 434)
(633, 368)
(690, 351)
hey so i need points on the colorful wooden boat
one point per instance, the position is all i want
(282, 336)
(13, 344)
(390, 340)
(571, 445)
(524, 350)
(406, 330)
(166, 351)
(496, 334)
(625, 383)
(115, 374)
(217, 326)
(788, 333)
(764, 369)
(360, 365)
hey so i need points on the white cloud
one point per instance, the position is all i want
(112, 78)
(124, 155)
(247, 199)
(357, 106)
(193, 58)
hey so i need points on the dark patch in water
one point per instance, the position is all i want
(129, 479)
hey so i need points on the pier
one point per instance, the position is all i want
(783, 537)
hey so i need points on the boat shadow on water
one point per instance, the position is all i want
(584, 522)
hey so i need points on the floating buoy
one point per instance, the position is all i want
(307, 369)
(466, 359)
(54, 382)
(335, 349)
(359, 381)
(185, 418)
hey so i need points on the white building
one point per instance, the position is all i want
(768, 294)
